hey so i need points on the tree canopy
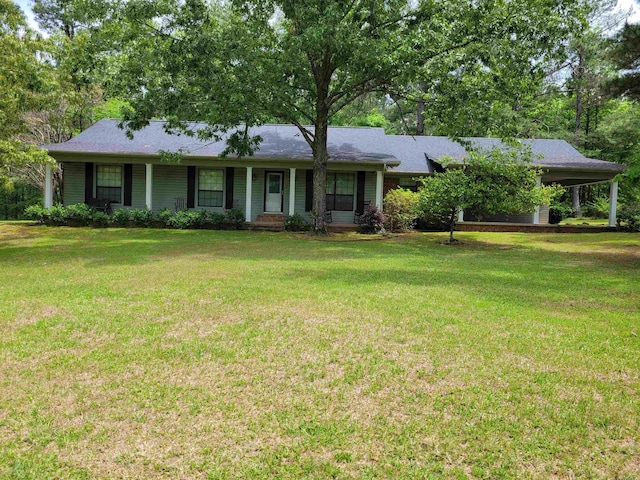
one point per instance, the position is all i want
(486, 183)
(249, 62)
(21, 78)
(626, 56)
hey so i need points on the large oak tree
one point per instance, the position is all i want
(247, 62)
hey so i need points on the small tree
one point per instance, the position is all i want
(444, 194)
(485, 184)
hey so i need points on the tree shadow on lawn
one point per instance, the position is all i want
(498, 286)
(103, 247)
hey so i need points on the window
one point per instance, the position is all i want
(340, 190)
(210, 188)
(109, 183)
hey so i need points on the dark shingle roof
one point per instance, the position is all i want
(546, 153)
(279, 141)
(346, 144)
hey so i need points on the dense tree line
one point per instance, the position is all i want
(470, 68)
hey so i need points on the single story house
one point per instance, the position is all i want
(364, 163)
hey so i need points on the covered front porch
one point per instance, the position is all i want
(540, 216)
(264, 192)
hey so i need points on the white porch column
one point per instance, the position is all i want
(536, 213)
(379, 177)
(247, 205)
(149, 186)
(48, 186)
(613, 203)
(460, 215)
(292, 190)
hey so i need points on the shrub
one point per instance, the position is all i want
(121, 217)
(628, 218)
(182, 219)
(215, 220)
(295, 223)
(234, 219)
(597, 208)
(400, 208)
(372, 221)
(559, 212)
(58, 215)
(79, 212)
(199, 219)
(141, 217)
(100, 219)
(164, 216)
(37, 213)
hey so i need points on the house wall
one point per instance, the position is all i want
(170, 183)
(544, 214)
(240, 187)
(370, 188)
(74, 185)
(73, 174)
(301, 189)
(138, 188)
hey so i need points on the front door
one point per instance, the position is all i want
(273, 195)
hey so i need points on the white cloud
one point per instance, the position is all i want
(634, 6)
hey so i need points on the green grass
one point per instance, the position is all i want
(585, 220)
(199, 354)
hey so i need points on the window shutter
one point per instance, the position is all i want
(229, 187)
(88, 182)
(191, 187)
(128, 184)
(360, 192)
(308, 199)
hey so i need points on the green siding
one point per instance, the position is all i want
(138, 191)
(370, 188)
(73, 183)
(301, 189)
(169, 182)
(240, 187)
(257, 193)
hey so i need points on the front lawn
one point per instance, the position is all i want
(136, 353)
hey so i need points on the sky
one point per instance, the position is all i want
(622, 4)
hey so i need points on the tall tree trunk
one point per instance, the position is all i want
(452, 224)
(420, 112)
(575, 200)
(578, 78)
(575, 191)
(320, 159)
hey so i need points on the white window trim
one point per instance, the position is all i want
(95, 179)
(224, 187)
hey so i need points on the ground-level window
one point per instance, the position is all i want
(340, 190)
(408, 183)
(109, 183)
(210, 187)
